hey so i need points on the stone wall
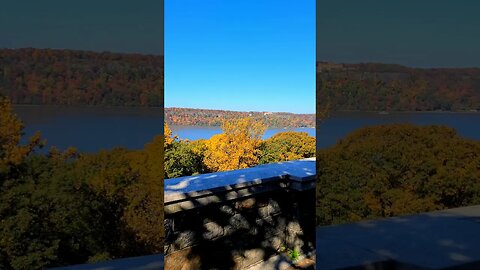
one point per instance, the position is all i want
(226, 233)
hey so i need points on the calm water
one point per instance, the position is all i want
(340, 124)
(195, 133)
(92, 129)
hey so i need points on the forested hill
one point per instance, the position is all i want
(202, 117)
(384, 87)
(66, 77)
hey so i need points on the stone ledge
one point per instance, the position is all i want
(447, 239)
(150, 262)
(184, 193)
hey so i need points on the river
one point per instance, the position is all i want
(91, 129)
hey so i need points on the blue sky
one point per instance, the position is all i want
(419, 33)
(95, 25)
(242, 55)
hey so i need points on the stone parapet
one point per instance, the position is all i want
(232, 220)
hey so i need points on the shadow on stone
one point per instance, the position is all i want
(238, 226)
(446, 239)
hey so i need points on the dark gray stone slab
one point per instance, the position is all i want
(435, 240)
(152, 262)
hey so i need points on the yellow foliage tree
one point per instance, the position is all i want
(167, 133)
(144, 214)
(237, 147)
(11, 131)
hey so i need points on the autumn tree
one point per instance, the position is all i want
(64, 208)
(11, 130)
(168, 137)
(392, 170)
(144, 211)
(237, 147)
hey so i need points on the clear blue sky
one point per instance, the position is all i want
(420, 33)
(96, 25)
(243, 55)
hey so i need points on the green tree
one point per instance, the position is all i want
(49, 218)
(285, 146)
(183, 159)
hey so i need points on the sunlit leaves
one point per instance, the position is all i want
(237, 147)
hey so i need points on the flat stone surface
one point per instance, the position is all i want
(434, 240)
(278, 262)
(281, 262)
(204, 184)
(152, 262)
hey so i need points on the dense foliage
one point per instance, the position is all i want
(184, 158)
(285, 146)
(382, 87)
(68, 208)
(239, 146)
(203, 117)
(236, 148)
(66, 77)
(392, 170)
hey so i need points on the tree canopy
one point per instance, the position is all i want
(239, 146)
(392, 170)
(285, 146)
(65, 208)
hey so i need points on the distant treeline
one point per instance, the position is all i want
(384, 87)
(66, 77)
(202, 117)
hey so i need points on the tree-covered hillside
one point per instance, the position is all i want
(203, 117)
(384, 87)
(66, 77)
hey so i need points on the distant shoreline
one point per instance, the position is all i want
(391, 112)
(234, 111)
(83, 106)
